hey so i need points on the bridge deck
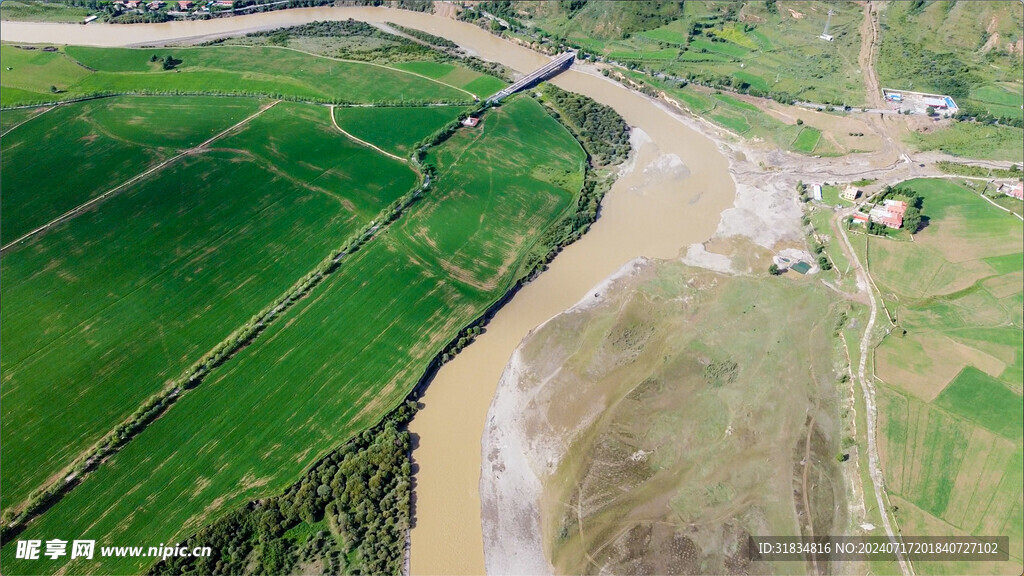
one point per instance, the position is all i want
(546, 71)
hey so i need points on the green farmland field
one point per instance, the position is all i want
(775, 50)
(477, 83)
(108, 142)
(807, 140)
(395, 129)
(35, 11)
(222, 69)
(103, 310)
(346, 354)
(9, 119)
(950, 409)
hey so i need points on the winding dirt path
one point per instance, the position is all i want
(866, 58)
(362, 142)
(868, 389)
(83, 207)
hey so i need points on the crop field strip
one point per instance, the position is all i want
(77, 299)
(340, 358)
(951, 422)
(80, 72)
(771, 50)
(394, 129)
(107, 142)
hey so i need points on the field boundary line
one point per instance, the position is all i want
(26, 121)
(361, 141)
(83, 207)
(313, 54)
(47, 495)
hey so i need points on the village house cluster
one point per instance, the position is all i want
(178, 7)
(889, 214)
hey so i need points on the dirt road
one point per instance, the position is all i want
(868, 389)
(83, 207)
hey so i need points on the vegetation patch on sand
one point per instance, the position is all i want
(638, 411)
(973, 140)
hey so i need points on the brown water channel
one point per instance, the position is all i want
(678, 186)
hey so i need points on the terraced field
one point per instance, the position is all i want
(951, 417)
(751, 45)
(347, 353)
(79, 71)
(100, 312)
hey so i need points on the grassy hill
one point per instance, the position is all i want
(969, 50)
(764, 47)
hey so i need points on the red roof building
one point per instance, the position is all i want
(184, 4)
(890, 213)
(1016, 191)
(860, 217)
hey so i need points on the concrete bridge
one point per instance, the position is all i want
(553, 68)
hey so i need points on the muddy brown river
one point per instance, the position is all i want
(672, 196)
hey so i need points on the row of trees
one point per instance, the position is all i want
(424, 36)
(361, 493)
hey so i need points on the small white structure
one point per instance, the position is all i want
(816, 192)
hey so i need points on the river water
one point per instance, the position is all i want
(672, 196)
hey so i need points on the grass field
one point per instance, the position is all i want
(747, 120)
(10, 119)
(102, 311)
(35, 11)
(951, 410)
(396, 130)
(973, 140)
(771, 51)
(107, 142)
(956, 477)
(920, 45)
(477, 83)
(222, 69)
(344, 355)
(652, 410)
(807, 140)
